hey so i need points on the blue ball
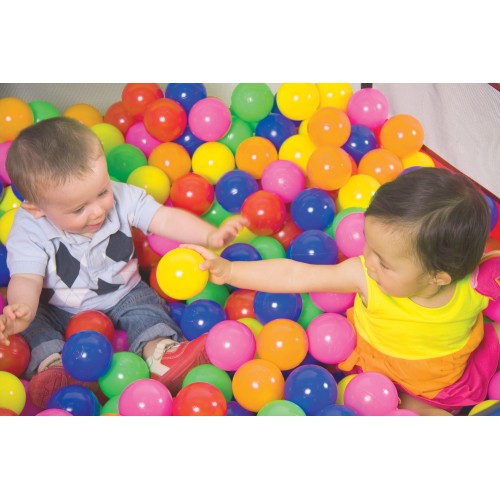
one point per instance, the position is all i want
(313, 247)
(361, 140)
(177, 310)
(87, 355)
(493, 210)
(16, 192)
(234, 409)
(276, 128)
(312, 208)
(200, 316)
(189, 141)
(186, 94)
(334, 410)
(77, 400)
(233, 188)
(270, 306)
(4, 270)
(312, 387)
(240, 251)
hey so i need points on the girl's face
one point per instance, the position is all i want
(391, 262)
(81, 205)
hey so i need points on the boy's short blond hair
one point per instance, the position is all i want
(48, 154)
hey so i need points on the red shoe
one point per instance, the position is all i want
(172, 361)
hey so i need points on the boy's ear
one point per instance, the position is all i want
(441, 279)
(33, 209)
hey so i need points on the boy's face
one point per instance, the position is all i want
(81, 205)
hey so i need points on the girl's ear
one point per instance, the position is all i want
(33, 209)
(441, 279)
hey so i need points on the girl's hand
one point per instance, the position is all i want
(15, 319)
(226, 233)
(219, 268)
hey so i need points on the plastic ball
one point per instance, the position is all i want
(216, 214)
(312, 208)
(160, 244)
(4, 149)
(329, 126)
(87, 355)
(237, 133)
(493, 210)
(283, 342)
(287, 233)
(276, 128)
(212, 375)
(54, 412)
(252, 101)
(361, 141)
(153, 180)
(85, 113)
(350, 236)
(230, 344)
(240, 304)
(118, 116)
(109, 135)
(145, 397)
(179, 275)
(111, 406)
(381, 164)
(172, 158)
(165, 119)
(402, 134)
(336, 95)
(186, 94)
(209, 119)
(189, 141)
(265, 213)
(90, 320)
(43, 110)
(234, 409)
(313, 247)
(357, 192)
(271, 306)
(233, 188)
(253, 324)
(402, 412)
(10, 199)
(212, 160)
(283, 178)
(341, 385)
(123, 160)
(126, 367)
(257, 383)
(177, 310)
(146, 256)
(200, 316)
(241, 252)
(332, 338)
(120, 342)
(12, 392)
(14, 358)
(75, 399)
(216, 293)
(335, 410)
(6, 221)
(417, 159)
(368, 107)
(15, 115)
(329, 168)
(494, 387)
(268, 247)
(371, 393)
(199, 399)
(297, 101)
(281, 408)
(136, 97)
(309, 311)
(138, 136)
(486, 408)
(254, 155)
(311, 387)
(298, 149)
(332, 302)
(193, 193)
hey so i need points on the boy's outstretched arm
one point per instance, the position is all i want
(283, 275)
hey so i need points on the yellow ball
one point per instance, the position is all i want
(336, 95)
(12, 393)
(297, 148)
(341, 388)
(153, 180)
(357, 192)
(212, 160)
(9, 200)
(298, 101)
(109, 135)
(179, 274)
(6, 221)
(254, 325)
(418, 159)
(483, 405)
(303, 128)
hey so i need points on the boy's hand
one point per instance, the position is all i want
(226, 233)
(219, 268)
(15, 319)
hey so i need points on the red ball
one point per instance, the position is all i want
(14, 358)
(117, 116)
(192, 192)
(288, 232)
(5, 412)
(91, 320)
(146, 256)
(136, 97)
(199, 399)
(165, 119)
(240, 304)
(153, 283)
(265, 212)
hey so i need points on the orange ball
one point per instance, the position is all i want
(283, 342)
(172, 158)
(381, 164)
(402, 134)
(254, 155)
(329, 168)
(15, 115)
(329, 127)
(256, 383)
(85, 113)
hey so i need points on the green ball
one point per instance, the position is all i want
(309, 311)
(217, 293)
(330, 230)
(281, 408)
(252, 102)
(212, 375)
(216, 215)
(268, 247)
(111, 405)
(239, 131)
(123, 160)
(42, 110)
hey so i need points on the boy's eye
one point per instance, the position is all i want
(78, 210)
(103, 193)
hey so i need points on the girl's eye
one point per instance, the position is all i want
(103, 193)
(383, 265)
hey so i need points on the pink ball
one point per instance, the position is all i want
(368, 107)
(371, 393)
(230, 344)
(54, 412)
(332, 302)
(493, 310)
(120, 342)
(145, 397)
(2, 303)
(4, 148)
(160, 244)
(402, 412)
(350, 234)
(209, 119)
(494, 387)
(284, 178)
(331, 338)
(138, 136)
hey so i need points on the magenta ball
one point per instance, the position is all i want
(371, 393)
(230, 344)
(54, 412)
(332, 302)
(350, 234)
(145, 397)
(2, 303)
(368, 107)
(160, 244)
(209, 119)
(4, 148)
(493, 310)
(331, 338)
(120, 342)
(138, 136)
(284, 178)
(494, 387)
(402, 412)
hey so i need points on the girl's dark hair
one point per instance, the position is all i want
(446, 215)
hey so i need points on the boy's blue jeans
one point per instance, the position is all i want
(141, 313)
